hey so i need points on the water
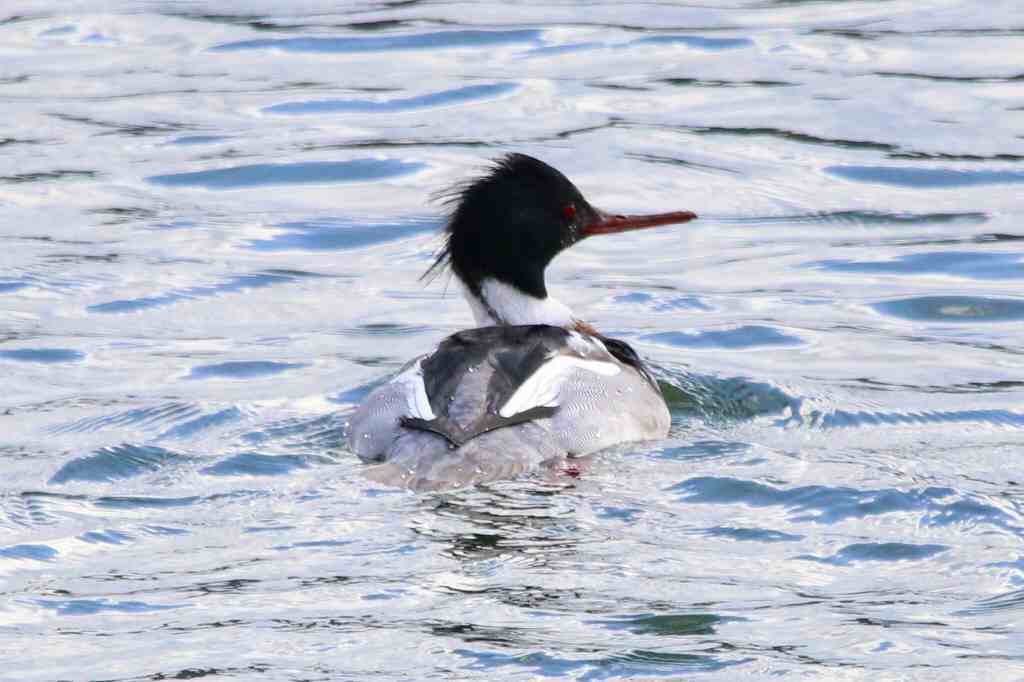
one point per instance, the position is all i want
(213, 218)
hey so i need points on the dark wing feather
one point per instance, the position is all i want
(625, 354)
(513, 354)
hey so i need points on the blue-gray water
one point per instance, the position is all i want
(213, 216)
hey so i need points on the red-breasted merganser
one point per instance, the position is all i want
(533, 383)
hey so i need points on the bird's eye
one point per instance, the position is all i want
(569, 211)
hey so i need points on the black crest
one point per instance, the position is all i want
(509, 223)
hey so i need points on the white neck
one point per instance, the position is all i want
(515, 307)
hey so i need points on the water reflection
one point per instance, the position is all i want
(469, 93)
(237, 284)
(931, 506)
(413, 41)
(42, 355)
(243, 369)
(973, 264)
(306, 172)
(529, 521)
(749, 336)
(878, 551)
(330, 234)
(960, 309)
(926, 178)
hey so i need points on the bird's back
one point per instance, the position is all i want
(496, 401)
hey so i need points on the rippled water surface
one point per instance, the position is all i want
(213, 216)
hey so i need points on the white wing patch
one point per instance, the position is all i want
(410, 382)
(545, 384)
(587, 346)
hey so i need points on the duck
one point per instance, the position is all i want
(532, 383)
